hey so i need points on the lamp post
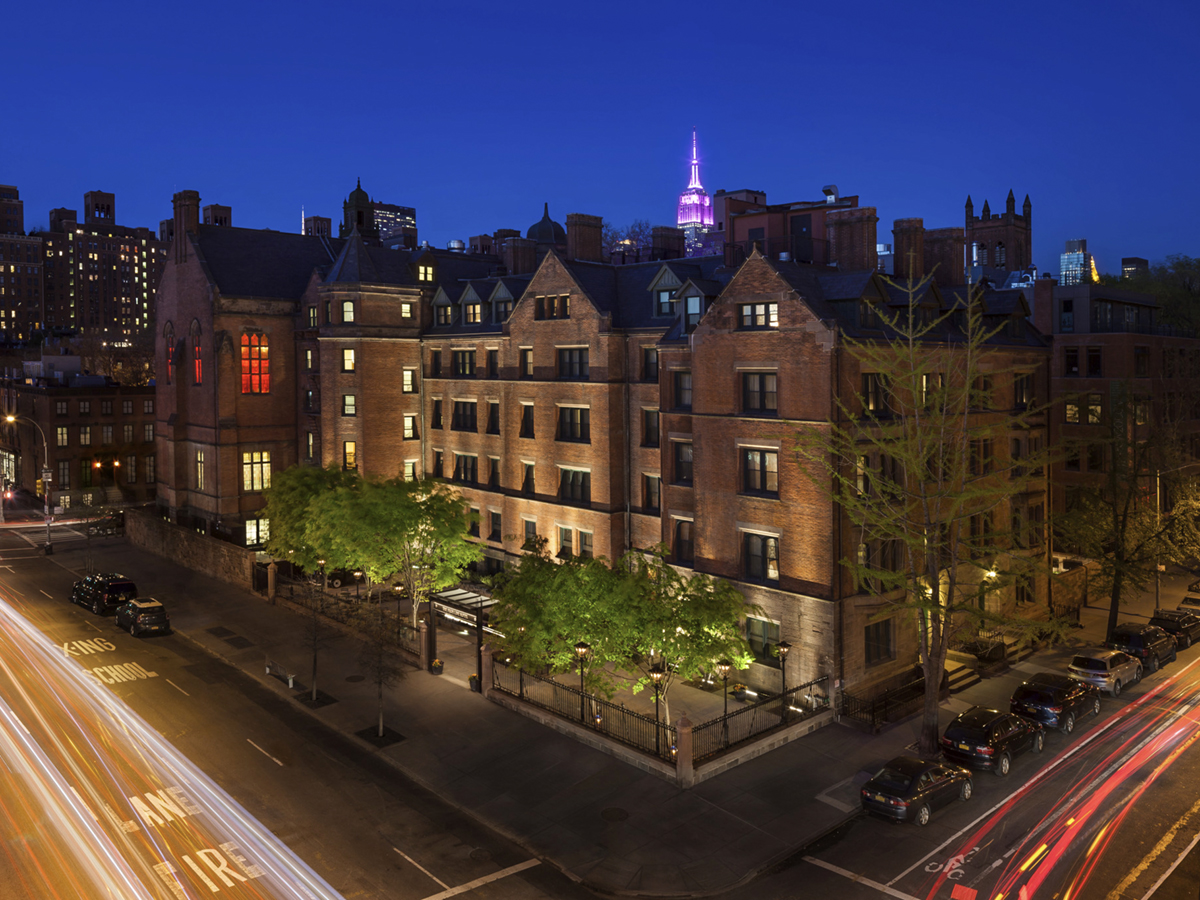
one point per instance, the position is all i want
(656, 675)
(783, 647)
(45, 473)
(582, 649)
(357, 577)
(723, 669)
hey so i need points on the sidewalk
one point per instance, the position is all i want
(598, 819)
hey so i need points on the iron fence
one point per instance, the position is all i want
(890, 706)
(714, 737)
(621, 724)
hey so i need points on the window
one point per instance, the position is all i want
(1071, 361)
(328, 312)
(348, 360)
(410, 428)
(472, 313)
(651, 492)
(877, 640)
(1071, 463)
(874, 395)
(197, 362)
(493, 364)
(127, 407)
(585, 545)
(436, 468)
(763, 637)
(1066, 316)
(410, 470)
(649, 364)
(408, 382)
(1093, 409)
(424, 272)
(493, 471)
(573, 364)
(683, 462)
(981, 456)
(1071, 410)
(530, 533)
(526, 420)
(649, 427)
(1095, 458)
(932, 384)
(565, 544)
(61, 436)
(759, 393)
(466, 468)
(445, 314)
(526, 362)
(106, 407)
(60, 407)
(663, 304)
(349, 455)
(85, 435)
(759, 315)
(693, 311)
(762, 557)
(1022, 390)
(1141, 362)
(312, 317)
(473, 522)
(982, 392)
(464, 363)
(493, 423)
(127, 434)
(200, 470)
(760, 472)
(308, 445)
(347, 311)
(528, 484)
(349, 405)
(868, 315)
(496, 531)
(64, 474)
(256, 470)
(435, 419)
(575, 486)
(258, 532)
(1095, 362)
(683, 390)
(435, 363)
(684, 545)
(502, 309)
(1141, 411)
(148, 407)
(85, 407)
(149, 471)
(464, 416)
(309, 401)
(256, 364)
(574, 424)
(406, 310)
(131, 470)
(308, 360)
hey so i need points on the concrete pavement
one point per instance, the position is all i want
(602, 821)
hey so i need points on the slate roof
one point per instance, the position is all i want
(624, 291)
(353, 264)
(246, 262)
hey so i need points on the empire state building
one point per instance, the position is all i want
(695, 215)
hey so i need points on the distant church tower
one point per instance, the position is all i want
(695, 215)
(359, 214)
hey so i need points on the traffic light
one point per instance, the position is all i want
(41, 487)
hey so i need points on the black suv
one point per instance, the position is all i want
(1149, 643)
(99, 592)
(1055, 700)
(144, 616)
(984, 738)
(1184, 625)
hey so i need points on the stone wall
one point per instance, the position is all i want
(219, 559)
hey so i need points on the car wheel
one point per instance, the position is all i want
(1186, 639)
(1116, 688)
(335, 583)
(133, 629)
(1137, 675)
(967, 789)
(1039, 742)
(922, 817)
(1003, 764)
(1152, 663)
(97, 607)
(1095, 706)
(1174, 654)
(1068, 724)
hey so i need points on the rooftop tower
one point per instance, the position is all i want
(695, 206)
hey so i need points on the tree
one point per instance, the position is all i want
(1175, 283)
(1144, 510)
(317, 630)
(921, 472)
(378, 657)
(634, 236)
(291, 501)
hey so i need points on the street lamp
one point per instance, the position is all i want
(582, 649)
(357, 577)
(656, 675)
(723, 669)
(45, 473)
(783, 647)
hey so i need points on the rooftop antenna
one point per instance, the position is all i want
(302, 218)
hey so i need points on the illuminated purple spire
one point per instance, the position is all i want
(695, 206)
(695, 182)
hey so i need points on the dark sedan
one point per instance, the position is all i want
(1057, 701)
(908, 789)
(982, 738)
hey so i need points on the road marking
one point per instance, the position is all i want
(504, 873)
(857, 879)
(1174, 865)
(837, 804)
(48, 595)
(1162, 845)
(422, 868)
(263, 752)
(178, 688)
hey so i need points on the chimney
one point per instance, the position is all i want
(666, 242)
(520, 255)
(908, 236)
(583, 237)
(1043, 304)
(187, 217)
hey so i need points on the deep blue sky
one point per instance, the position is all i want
(476, 113)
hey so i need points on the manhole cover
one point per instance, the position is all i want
(614, 814)
(355, 679)
(481, 855)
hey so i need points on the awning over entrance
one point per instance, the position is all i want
(464, 606)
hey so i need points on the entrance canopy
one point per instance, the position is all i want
(465, 607)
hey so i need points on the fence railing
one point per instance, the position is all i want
(617, 722)
(714, 737)
(890, 706)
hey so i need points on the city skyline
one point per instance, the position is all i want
(245, 123)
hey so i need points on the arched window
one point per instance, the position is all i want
(197, 360)
(999, 256)
(256, 364)
(981, 258)
(347, 310)
(169, 341)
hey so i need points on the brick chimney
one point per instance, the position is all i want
(187, 217)
(908, 238)
(851, 236)
(583, 237)
(520, 255)
(1043, 304)
(666, 242)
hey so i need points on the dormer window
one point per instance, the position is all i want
(663, 304)
(868, 315)
(472, 313)
(501, 310)
(445, 314)
(424, 272)
(694, 307)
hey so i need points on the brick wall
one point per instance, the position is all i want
(227, 562)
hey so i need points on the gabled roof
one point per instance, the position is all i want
(624, 292)
(353, 265)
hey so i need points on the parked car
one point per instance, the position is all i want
(908, 789)
(109, 522)
(1190, 602)
(1055, 700)
(983, 738)
(1181, 624)
(1109, 670)
(1149, 643)
(143, 616)
(99, 592)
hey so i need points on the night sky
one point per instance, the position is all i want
(478, 113)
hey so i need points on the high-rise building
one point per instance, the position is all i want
(21, 308)
(695, 214)
(1076, 265)
(1134, 266)
(318, 226)
(12, 210)
(397, 225)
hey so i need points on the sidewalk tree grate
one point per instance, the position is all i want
(614, 814)
(371, 736)
(220, 631)
(238, 642)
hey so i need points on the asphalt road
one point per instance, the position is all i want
(273, 803)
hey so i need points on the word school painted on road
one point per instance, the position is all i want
(118, 673)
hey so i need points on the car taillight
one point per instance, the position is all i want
(985, 751)
(1054, 709)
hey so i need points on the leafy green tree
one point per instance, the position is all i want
(290, 503)
(1175, 283)
(922, 474)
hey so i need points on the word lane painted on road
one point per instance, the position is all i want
(228, 869)
(163, 806)
(82, 648)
